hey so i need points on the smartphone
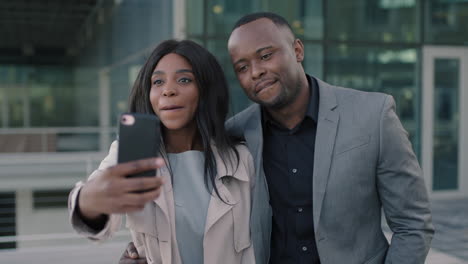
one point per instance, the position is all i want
(139, 138)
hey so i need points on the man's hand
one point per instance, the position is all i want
(130, 256)
(112, 192)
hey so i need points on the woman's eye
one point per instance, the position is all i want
(185, 80)
(157, 82)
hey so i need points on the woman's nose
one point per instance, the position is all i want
(169, 92)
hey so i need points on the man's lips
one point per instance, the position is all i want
(263, 84)
(171, 107)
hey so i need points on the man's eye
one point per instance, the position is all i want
(266, 56)
(242, 69)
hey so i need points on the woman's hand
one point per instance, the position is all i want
(112, 192)
(130, 256)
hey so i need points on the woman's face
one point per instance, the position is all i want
(174, 92)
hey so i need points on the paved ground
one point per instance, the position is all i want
(450, 244)
(450, 219)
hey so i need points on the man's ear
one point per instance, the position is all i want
(299, 50)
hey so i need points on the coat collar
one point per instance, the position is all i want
(229, 170)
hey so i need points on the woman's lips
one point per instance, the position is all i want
(171, 108)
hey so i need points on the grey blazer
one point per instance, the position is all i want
(363, 162)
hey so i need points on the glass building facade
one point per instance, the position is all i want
(370, 45)
(58, 110)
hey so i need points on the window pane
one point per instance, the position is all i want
(373, 20)
(446, 22)
(446, 124)
(74, 142)
(391, 71)
(46, 199)
(313, 62)
(221, 15)
(194, 15)
(121, 84)
(305, 17)
(7, 218)
(2, 120)
(86, 89)
(238, 100)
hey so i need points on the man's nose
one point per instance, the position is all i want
(257, 71)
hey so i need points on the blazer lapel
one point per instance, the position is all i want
(253, 136)
(324, 144)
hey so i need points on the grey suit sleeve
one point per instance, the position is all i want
(402, 192)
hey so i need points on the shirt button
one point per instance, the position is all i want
(294, 170)
(304, 248)
(299, 210)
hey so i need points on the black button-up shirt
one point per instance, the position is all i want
(288, 162)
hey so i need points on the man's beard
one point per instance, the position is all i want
(283, 100)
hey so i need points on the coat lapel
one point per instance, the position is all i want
(217, 208)
(324, 144)
(163, 223)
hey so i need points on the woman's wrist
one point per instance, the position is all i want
(95, 220)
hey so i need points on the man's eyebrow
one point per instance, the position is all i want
(238, 61)
(264, 48)
(257, 52)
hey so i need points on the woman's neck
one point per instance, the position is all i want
(181, 140)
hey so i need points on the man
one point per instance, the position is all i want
(327, 158)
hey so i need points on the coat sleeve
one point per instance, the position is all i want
(114, 221)
(402, 192)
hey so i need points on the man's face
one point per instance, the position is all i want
(267, 61)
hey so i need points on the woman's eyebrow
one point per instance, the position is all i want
(178, 71)
(184, 70)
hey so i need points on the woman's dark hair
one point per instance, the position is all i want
(213, 103)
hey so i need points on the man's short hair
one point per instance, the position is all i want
(275, 18)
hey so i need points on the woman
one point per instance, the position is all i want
(202, 211)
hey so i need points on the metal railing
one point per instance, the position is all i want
(55, 139)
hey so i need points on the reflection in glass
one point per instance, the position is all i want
(305, 17)
(238, 100)
(446, 124)
(50, 140)
(2, 119)
(221, 15)
(446, 22)
(373, 20)
(74, 142)
(194, 15)
(393, 71)
(7, 218)
(313, 60)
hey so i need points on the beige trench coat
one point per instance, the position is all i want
(227, 230)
